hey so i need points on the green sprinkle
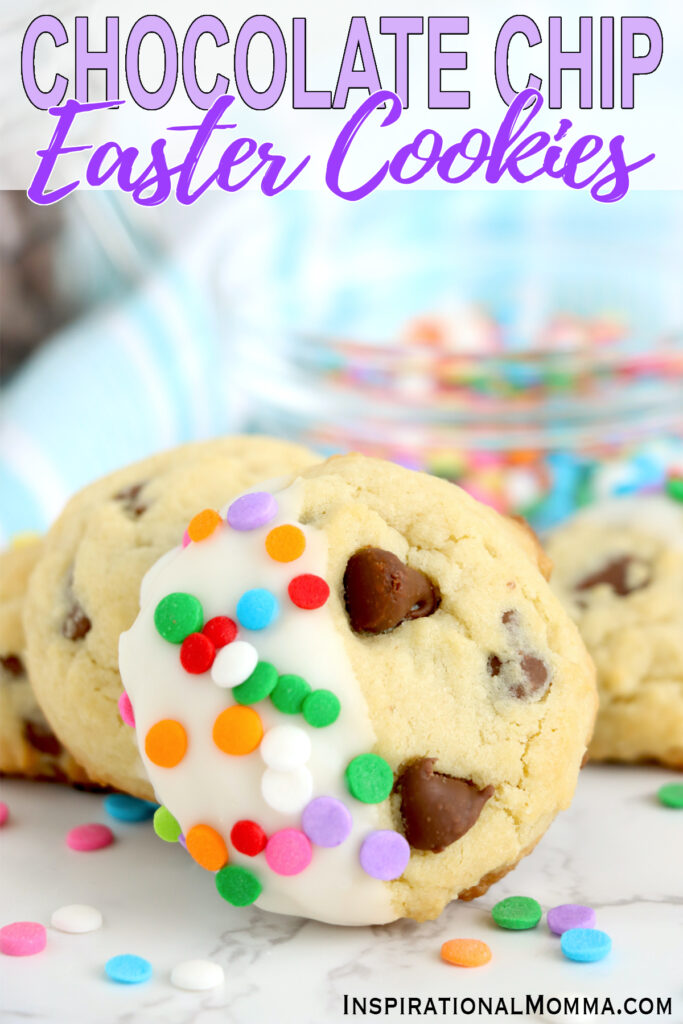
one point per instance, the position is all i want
(517, 913)
(258, 686)
(165, 825)
(671, 795)
(289, 694)
(369, 778)
(238, 885)
(178, 615)
(321, 708)
(674, 488)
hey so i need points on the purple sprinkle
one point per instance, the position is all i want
(181, 840)
(384, 854)
(570, 915)
(252, 510)
(326, 821)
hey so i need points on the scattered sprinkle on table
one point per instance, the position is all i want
(570, 915)
(22, 938)
(197, 975)
(87, 838)
(517, 913)
(128, 808)
(127, 969)
(76, 919)
(585, 945)
(465, 952)
(671, 795)
(4, 814)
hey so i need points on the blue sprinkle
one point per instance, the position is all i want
(127, 969)
(128, 808)
(256, 609)
(585, 944)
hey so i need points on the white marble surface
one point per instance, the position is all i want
(616, 849)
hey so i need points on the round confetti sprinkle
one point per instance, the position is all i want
(237, 730)
(234, 664)
(220, 630)
(288, 852)
(88, 838)
(570, 915)
(238, 885)
(308, 591)
(285, 543)
(671, 795)
(369, 778)
(4, 814)
(252, 510)
(674, 488)
(257, 609)
(203, 524)
(76, 919)
(517, 913)
(248, 838)
(289, 694)
(22, 938)
(165, 825)
(326, 821)
(321, 708)
(128, 808)
(127, 969)
(258, 686)
(178, 615)
(384, 854)
(186, 539)
(465, 952)
(197, 975)
(586, 945)
(287, 791)
(166, 743)
(285, 747)
(126, 710)
(207, 847)
(197, 653)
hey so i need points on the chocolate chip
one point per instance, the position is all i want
(129, 499)
(535, 672)
(619, 575)
(76, 623)
(494, 665)
(381, 591)
(42, 738)
(437, 809)
(510, 618)
(13, 664)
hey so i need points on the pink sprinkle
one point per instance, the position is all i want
(4, 814)
(86, 838)
(23, 938)
(186, 539)
(126, 710)
(288, 852)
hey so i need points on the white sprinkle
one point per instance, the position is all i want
(234, 663)
(285, 747)
(76, 919)
(288, 792)
(197, 975)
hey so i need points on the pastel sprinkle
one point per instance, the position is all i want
(674, 488)
(288, 852)
(128, 808)
(369, 778)
(671, 795)
(257, 609)
(258, 686)
(76, 919)
(238, 885)
(207, 847)
(285, 543)
(517, 913)
(285, 747)
(234, 664)
(178, 615)
(384, 854)
(126, 710)
(237, 730)
(197, 653)
(88, 838)
(197, 975)
(203, 524)
(22, 938)
(252, 510)
(289, 694)
(186, 539)
(166, 826)
(127, 969)
(570, 915)
(321, 708)
(585, 945)
(287, 792)
(220, 630)
(4, 814)
(166, 743)
(466, 952)
(248, 837)
(326, 821)
(308, 591)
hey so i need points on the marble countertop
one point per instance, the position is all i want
(616, 849)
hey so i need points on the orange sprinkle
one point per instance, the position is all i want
(285, 543)
(203, 524)
(166, 743)
(207, 847)
(237, 730)
(465, 952)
